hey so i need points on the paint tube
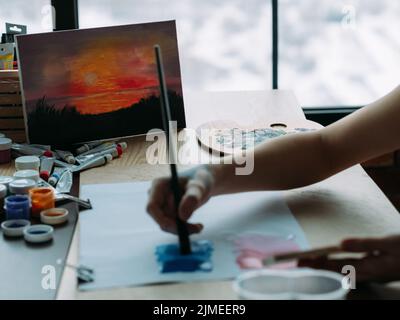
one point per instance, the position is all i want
(65, 182)
(67, 156)
(25, 150)
(96, 162)
(59, 163)
(53, 180)
(113, 151)
(122, 145)
(105, 146)
(100, 147)
(88, 146)
(110, 149)
(41, 146)
(6, 56)
(46, 149)
(46, 166)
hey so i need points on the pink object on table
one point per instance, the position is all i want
(254, 248)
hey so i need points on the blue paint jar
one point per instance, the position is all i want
(17, 207)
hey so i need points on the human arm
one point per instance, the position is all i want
(287, 162)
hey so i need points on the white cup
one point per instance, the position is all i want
(293, 284)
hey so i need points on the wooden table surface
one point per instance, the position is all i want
(348, 204)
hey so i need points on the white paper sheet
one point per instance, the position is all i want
(118, 237)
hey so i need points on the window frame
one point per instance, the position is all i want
(66, 14)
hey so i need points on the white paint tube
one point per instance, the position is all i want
(83, 158)
(65, 182)
(88, 146)
(123, 145)
(96, 162)
(100, 147)
(41, 146)
(105, 146)
(67, 156)
(62, 164)
(46, 167)
(26, 150)
(56, 175)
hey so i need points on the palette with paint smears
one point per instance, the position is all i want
(228, 137)
(253, 248)
(170, 259)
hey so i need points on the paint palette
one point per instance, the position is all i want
(229, 137)
(170, 259)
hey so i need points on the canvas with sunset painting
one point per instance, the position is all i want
(100, 83)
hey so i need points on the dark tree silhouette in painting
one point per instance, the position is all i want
(62, 127)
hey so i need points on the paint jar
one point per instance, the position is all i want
(38, 233)
(5, 180)
(291, 284)
(42, 199)
(3, 195)
(27, 163)
(14, 228)
(5, 150)
(27, 174)
(54, 216)
(17, 207)
(21, 186)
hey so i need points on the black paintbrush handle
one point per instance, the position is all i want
(183, 234)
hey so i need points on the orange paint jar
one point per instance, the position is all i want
(42, 199)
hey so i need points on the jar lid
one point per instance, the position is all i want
(22, 186)
(3, 191)
(27, 162)
(6, 180)
(5, 144)
(54, 216)
(14, 228)
(27, 174)
(38, 233)
(17, 200)
(42, 192)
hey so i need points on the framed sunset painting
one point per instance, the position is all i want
(101, 83)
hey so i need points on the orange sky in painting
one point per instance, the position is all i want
(104, 82)
(98, 70)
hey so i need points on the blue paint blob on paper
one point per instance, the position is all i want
(170, 259)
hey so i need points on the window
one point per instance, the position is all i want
(224, 44)
(337, 53)
(331, 53)
(36, 14)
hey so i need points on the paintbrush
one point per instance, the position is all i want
(314, 253)
(183, 234)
